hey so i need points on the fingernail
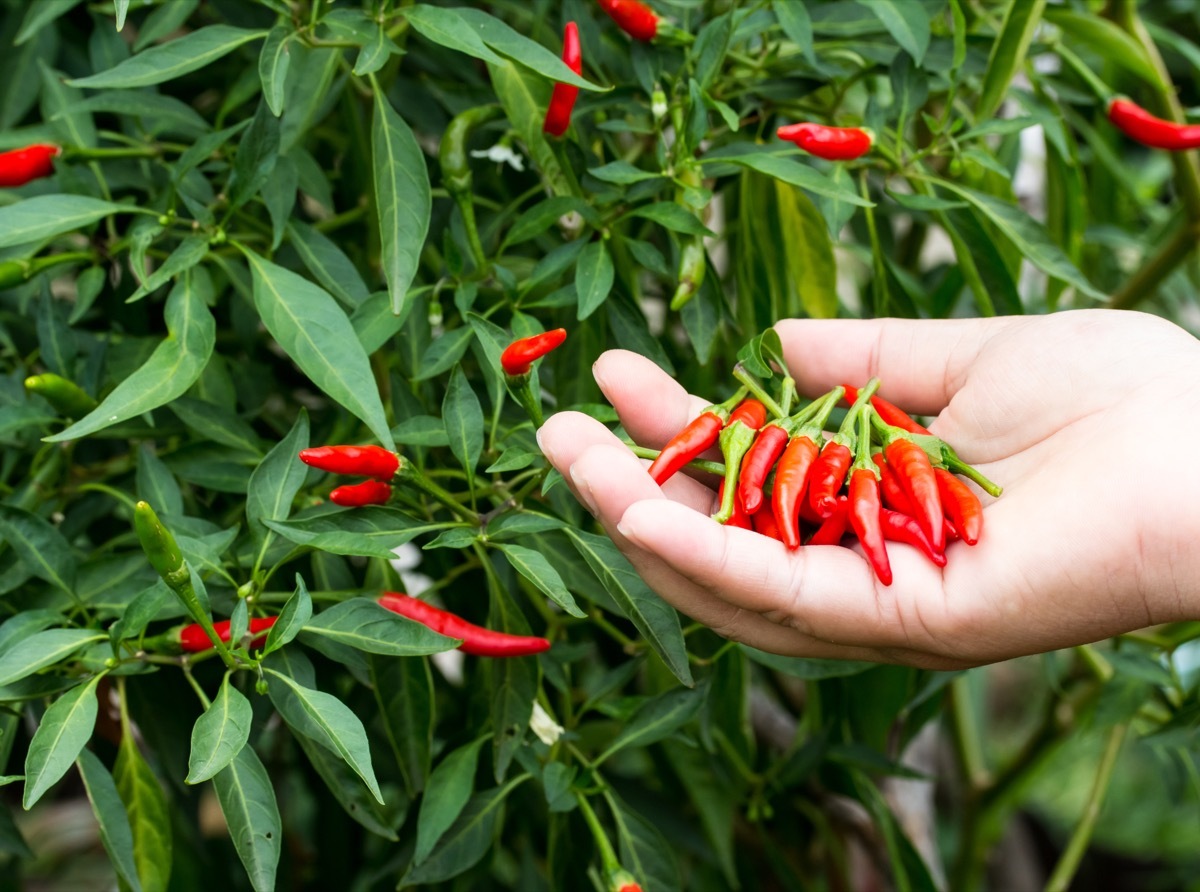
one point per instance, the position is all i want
(584, 490)
(598, 377)
(627, 532)
(538, 436)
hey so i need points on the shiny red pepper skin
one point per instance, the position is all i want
(830, 143)
(764, 523)
(739, 518)
(1150, 130)
(633, 17)
(363, 461)
(476, 640)
(562, 100)
(757, 464)
(962, 505)
(193, 640)
(865, 520)
(369, 492)
(833, 528)
(916, 476)
(827, 476)
(791, 482)
(888, 412)
(21, 166)
(520, 355)
(894, 496)
(700, 435)
(899, 527)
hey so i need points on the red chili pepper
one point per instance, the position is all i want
(833, 528)
(699, 435)
(791, 482)
(764, 523)
(21, 166)
(739, 518)
(899, 527)
(476, 640)
(521, 354)
(365, 461)
(193, 640)
(562, 100)
(962, 505)
(633, 17)
(736, 438)
(916, 476)
(889, 412)
(369, 492)
(866, 522)
(1159, 133)
(757, 464)
(831, 143)
(827, 476)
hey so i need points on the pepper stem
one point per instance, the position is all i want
(608, 858)
(751, 384)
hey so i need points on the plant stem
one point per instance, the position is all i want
(696, 464)
(966, 735)
(1068, 864)
(756, 390)
(1144, 283)
(608, 857)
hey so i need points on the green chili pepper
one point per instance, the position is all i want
(67, 397)
(456, 169)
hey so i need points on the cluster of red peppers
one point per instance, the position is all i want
(881, 477)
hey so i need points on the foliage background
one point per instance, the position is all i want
(250, 189)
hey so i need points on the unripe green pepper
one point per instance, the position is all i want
(12, 273)
(67, 397)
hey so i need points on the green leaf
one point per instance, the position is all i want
(45, 216)
(643, 850)
(808, 255)
(39, 15)
(329, 264)
(404, 692)
(277, 479)
(449, 788)
(593, 278)
(524, 98)
(247, 800)
(464, 422)
(171, 369)
(363, 624)
(521, 49)
(805, 667)
(110, 816)
(163, 21)
(190, 251)
(375, 531)
(273, 64)
(673, 217)
(1021, 20)
(329, 722)
(220, 733)
(1028, 236)
(447, 28)
(42, 649)
(64, 730)
(534, 567)
(292, 618)
(907, 22)
(656, 620)
(171, 60)
(1108, 40)
(41, 547)
(148, 815)
(255, 159)
(160, 111)
(796, 23)
(797, 173)
(622, 173)
(657, 719)
(468, 839)
(318, 337)
(402, 198)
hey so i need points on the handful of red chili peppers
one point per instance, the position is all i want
(881, 477)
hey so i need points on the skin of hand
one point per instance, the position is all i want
(1086, 418)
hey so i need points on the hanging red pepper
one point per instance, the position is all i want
(899, 527)
(736, 438)
(369, 492)
(739, 518)
(1150, 130)
(633, 17)
(363, 461)
(962, 505)
(700, 435)
(476, 640)
(562, 100)
(794, 470)
(520, 355)
(890, 413)
(21, 166)
(194, 640)
(833, 528)
(830, 143)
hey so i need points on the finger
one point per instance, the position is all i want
(825, 592)
(922, 363)
(652, 405)
(568, 435)
(608, 478)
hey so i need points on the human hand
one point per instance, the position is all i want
(1086, 418)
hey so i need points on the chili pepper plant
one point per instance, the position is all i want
(241, 233)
